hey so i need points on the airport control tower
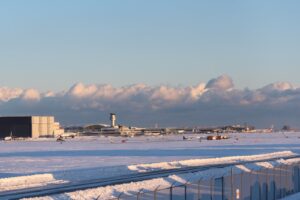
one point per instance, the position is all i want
(113, 119)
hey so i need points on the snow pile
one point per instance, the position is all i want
(22, 182)
(111, 192)
(210, 161)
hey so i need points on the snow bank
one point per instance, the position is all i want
(114, 171)
(110, 192)
(201, 162)
(22, 182)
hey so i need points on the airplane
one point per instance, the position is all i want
(9, 138)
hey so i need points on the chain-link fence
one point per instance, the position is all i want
(260, 184)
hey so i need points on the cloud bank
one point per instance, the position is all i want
(216, 102)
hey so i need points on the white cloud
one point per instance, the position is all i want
(197, 91)
(218, 99)
(279, 86)
(7, 94)
(223, 82)
(31, 95)
(79, 90)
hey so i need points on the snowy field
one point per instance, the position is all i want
(45, 162)
(88, 153)
(130, 190)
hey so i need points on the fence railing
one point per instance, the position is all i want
(260, 184)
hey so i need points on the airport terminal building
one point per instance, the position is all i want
(29, 126)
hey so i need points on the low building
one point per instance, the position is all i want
(29, 126)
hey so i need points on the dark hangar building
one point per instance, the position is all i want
(29, 126)
(15, 126)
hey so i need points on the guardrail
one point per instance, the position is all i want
(261, 184)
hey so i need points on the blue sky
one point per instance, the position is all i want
(195, 58)
(50, 45)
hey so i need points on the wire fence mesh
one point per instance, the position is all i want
(260, 184)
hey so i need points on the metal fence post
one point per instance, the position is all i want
(250, 184)
(185, 188)
(138, 194)
(185, 191)
(120, 195)
(155, 192)
(199, 189)
(284, 180)
(287, 191)
(280, 190)
(241, 190)
(98, 197)
(259, 184)
(211, 188)
(267, 183)
(231, 183)
(298, 189)
(223, 189)
(294, 174)
(274, 182)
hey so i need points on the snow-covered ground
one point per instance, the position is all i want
(26, 157)
(131, 189)
(82, 158)
(74, 176)
(292, 197)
